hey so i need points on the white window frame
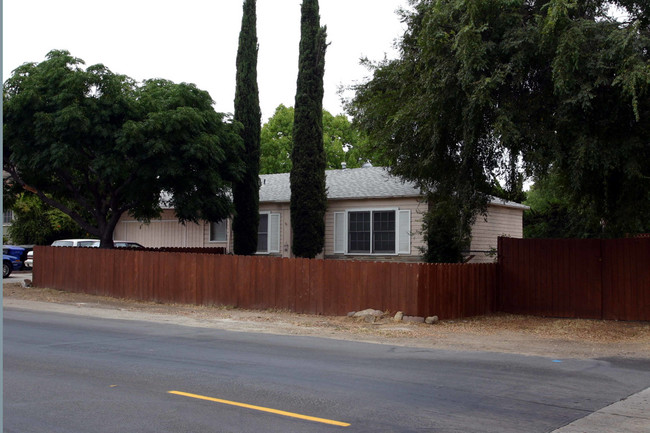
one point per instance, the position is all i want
(225, 232)
(7, 217)
(273, 233)
(402, 231)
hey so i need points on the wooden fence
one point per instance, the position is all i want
(598, 279)
(331, 287)
(587, 278)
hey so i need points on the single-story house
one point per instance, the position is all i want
(371, 215)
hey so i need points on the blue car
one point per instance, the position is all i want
(9, 264)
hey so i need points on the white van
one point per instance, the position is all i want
(74, 243)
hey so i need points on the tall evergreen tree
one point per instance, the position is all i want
(308, 195)
(247, 111)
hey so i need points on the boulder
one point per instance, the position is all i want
(398, 316)
(431, 320)
(413, 319)
(369, 312)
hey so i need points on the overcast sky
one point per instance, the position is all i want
(196, 41)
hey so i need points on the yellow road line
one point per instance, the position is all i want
(260, 408)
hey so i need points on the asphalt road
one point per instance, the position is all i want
(79, 374)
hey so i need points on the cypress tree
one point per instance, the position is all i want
(247, 111)
(308, 194)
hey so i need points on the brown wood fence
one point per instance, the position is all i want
(331, 287)
(586, 278)
(598, 279)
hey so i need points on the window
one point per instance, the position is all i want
(381, 231)
(359, 232)
(263, 234)
(219, 231)
(268, 233)
(7, 217)
(371, 232)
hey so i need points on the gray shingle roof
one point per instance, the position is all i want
(352, 183)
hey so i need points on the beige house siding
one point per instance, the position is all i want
(501, 221)
(167, 231)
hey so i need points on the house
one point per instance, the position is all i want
(371, 215)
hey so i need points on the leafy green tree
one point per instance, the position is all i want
(277, 141)
(341, 142)
(247, 111)
(552, 215)
(307, 176)
(37, 223)
(95, 145)
(550, 83)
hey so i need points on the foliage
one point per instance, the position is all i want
(341, 142)
(277, 142)
(483, 87)
(37, 223)
(448, 222)
(307, 176)
(95, 145)
(247, 111)
(552, 215)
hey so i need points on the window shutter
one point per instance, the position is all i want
(274, 233)
(339, 232)
(404, 235)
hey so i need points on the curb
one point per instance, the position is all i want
(630, 415)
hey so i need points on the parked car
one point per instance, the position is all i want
(9, 264)
(121, 244)
(15, 251)
(29, 262)
(74, 242)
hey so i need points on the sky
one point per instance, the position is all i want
(195, 41)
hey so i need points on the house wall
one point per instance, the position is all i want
(167, 231)
(501, 221)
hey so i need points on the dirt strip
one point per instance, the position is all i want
(527, 335)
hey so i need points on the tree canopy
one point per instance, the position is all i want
(485, 88)
(95, 144)
(341, 142)
(34, 222)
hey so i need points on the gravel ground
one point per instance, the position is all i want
(506, 333)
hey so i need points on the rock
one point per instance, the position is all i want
(26, 283)
(351, 313)
(398, 316)
(431, 320)
(413, 319)
(368, 312)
